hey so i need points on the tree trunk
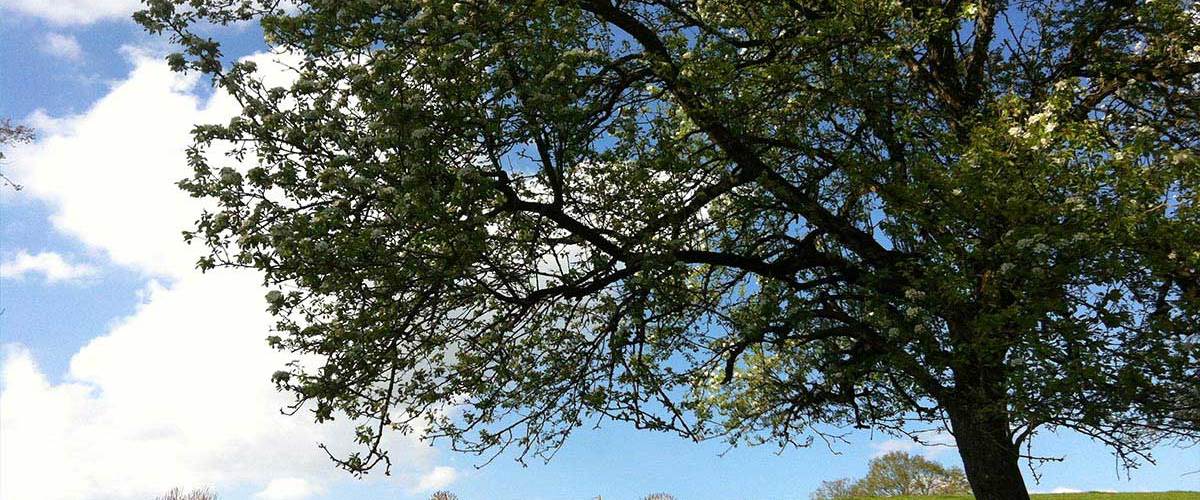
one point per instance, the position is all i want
(990, 459)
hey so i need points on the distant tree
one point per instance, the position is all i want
(836, 489)
(659, 496)
(898, 473)
(497, 221)
(196, 494)
(443, 495)
(12, 134)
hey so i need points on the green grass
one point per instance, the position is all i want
(1160, 495)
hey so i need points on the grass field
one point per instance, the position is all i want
(1160, 495)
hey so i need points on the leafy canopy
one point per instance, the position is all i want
(896, 474)
(498, 221)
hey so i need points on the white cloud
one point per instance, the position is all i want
(179, 392)
(436, 479)
(932, 445)
(110, 173)
(64, 46)
(49, 264)
(288, 488)
(73, 11)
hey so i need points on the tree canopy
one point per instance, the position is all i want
(897, 474)
(761, 221)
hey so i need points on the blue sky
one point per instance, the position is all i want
(125, 372)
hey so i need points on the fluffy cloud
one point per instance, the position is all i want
(436, 479)
(64, 46)
(73, 11)
(288, 488)
(110, 172)
(49, 264)
(178, 393)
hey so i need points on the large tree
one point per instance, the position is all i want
(764, 220)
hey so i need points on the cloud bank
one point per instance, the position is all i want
(178, 393)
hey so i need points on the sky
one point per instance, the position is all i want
(124, 372)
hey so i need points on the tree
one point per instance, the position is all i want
(196, 494)
(748, 220)
(443, 495)
(12, 134)
(898, 473)
(836, 489)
